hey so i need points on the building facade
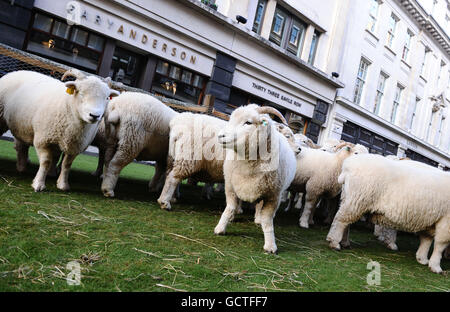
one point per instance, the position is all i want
(394, 60)
(185, 49)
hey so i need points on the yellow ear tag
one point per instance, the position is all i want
(70, 90)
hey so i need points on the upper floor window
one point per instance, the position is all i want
(360, 80)
(393, 20)
(287, 31)
(440, 73)
(313, 50)
(373, 15)
(396, 104)
(260, 11)
(424, 61)
(407, 46)
(414, 113)
(380, 92)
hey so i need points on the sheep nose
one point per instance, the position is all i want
(221, 136)
(95, 117)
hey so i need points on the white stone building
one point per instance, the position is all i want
(394, 60)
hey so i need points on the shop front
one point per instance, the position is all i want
(97, 40)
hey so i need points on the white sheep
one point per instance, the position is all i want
(52, 116)
(193, 153)
(398, 194)
(317, 175)
(136, 127)
(251, 177)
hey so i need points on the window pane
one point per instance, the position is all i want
(175, 72)
(162, 68)
(42, 22)
(79, 36)
(259, 15)
(61, 30)
(186, 77)
(198, 81)
(278, 24)
(96, 42)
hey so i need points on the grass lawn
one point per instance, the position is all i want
(130, 244)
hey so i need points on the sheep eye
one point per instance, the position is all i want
(248, 123)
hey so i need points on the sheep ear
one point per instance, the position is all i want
(71, 87)
(114, 93)
(264, 121)
(347, 148)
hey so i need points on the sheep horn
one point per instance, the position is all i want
(340, 145)
(73, 73)
(272, 111)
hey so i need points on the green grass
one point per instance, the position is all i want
(130, 244)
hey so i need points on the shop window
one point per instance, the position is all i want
(42, 22)
(55, 39)
(126, 67)
(178, 83)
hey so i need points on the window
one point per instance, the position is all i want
(288, 32)
(380, 92)
(260, 10)
(373, 15)
(396, 104)
(178, 83)
(407, 46)
(312, 52)
(279, 21)
(391, 30)
(440, 73)
(413, 116)
(296, 37)
(126, 66)
(439, 132)
(360, 80)
(53, 38)
(424, 61)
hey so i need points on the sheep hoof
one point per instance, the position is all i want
(219, 230)
(108, 193)
(63, 187)
(335, 246)
(435, 268)
(271, 250)
(38, 187)
(392, 246)
(164, 205)
(304, 225)
(423, 261)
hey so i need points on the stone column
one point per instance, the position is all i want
(401, 152)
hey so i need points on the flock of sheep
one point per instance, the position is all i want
(257, 159)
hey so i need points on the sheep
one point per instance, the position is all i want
(303, 140)
(251, 178)
(193, 152)
(316, 175)
(136, 127)
(53, 116)
(398, 194)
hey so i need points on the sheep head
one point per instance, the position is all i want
(90, 94)
(250, 129)
(289, 135)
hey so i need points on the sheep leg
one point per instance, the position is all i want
(53, 172)
(441, 241)
(258, 208)
(112, 171)
(155, 183)
(207, 191)
(344, 217)
(45, 156)
(300, 201)
(22, 155)
(228, 213)
(310, 203)
(101, 162)
(424, 247)
(63, 181)
(345, 242)
(266, 215)
(168, 190)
